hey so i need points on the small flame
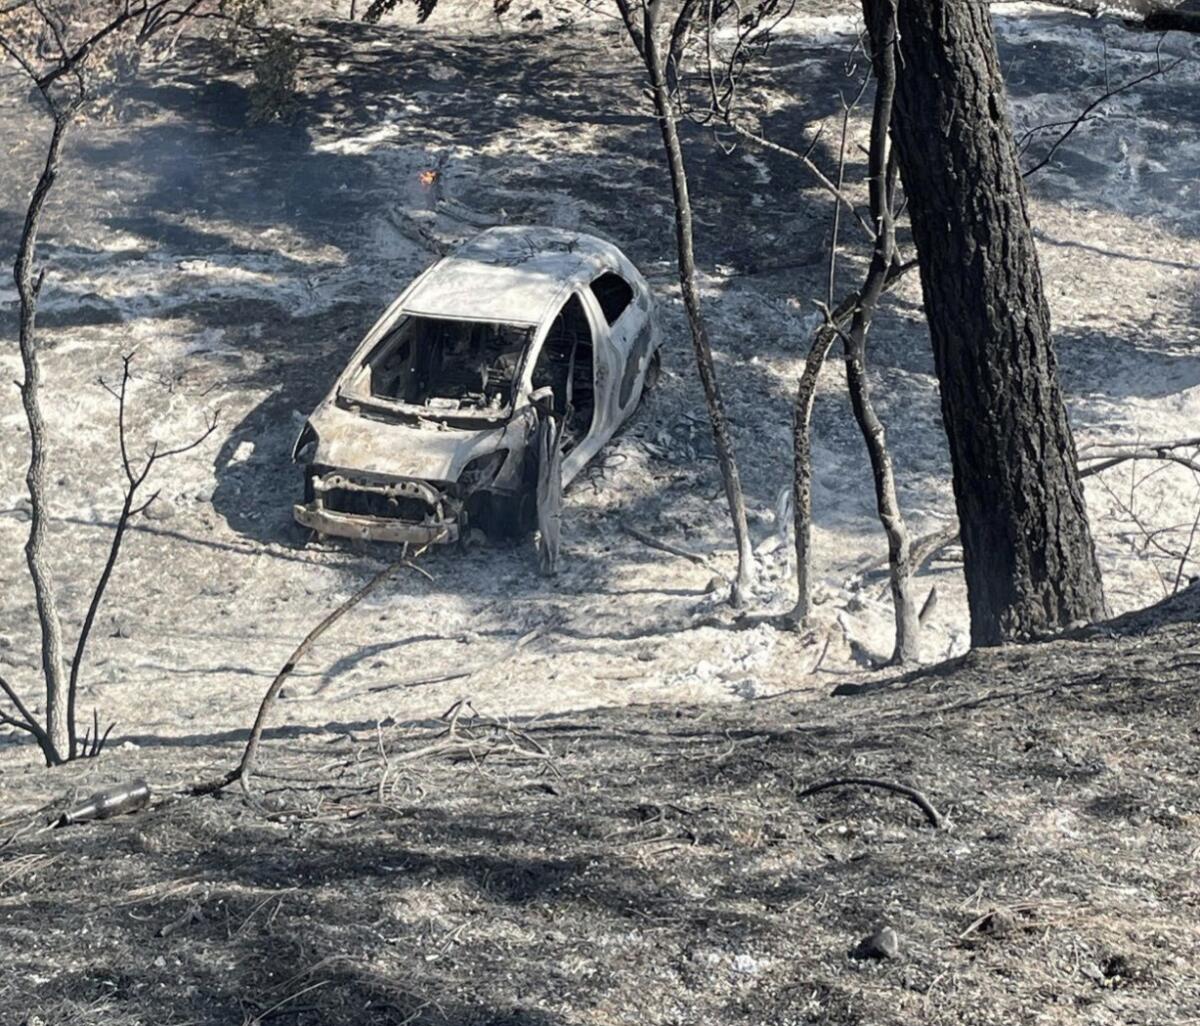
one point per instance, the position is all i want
(428, 177)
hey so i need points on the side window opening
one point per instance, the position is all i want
(565, 365)
(614, 294)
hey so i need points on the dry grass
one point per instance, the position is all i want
(658, 867)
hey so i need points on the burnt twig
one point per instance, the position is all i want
(912, 794)
(663, 546)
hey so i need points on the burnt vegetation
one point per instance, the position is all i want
(657, 862)
(487, 665)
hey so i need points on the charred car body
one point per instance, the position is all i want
(430, 428)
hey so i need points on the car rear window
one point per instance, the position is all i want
(614, 294)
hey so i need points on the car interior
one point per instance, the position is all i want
(566, 366)
(448, 364)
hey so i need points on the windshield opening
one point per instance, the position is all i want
(449, 366)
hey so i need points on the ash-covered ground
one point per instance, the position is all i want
(243, 263)
(652, 866)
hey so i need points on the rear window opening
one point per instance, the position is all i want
(449, 366)
(614, 295)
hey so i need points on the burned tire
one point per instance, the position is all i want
(504, 517)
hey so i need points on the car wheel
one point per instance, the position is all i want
(506, 517)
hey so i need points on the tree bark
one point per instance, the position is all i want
(57, 744)
(1030, 563)
(806, 396)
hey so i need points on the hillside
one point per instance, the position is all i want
(614, 832)
(654, 864)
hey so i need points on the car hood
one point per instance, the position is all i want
(431, 452)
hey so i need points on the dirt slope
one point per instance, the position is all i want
(650, 866)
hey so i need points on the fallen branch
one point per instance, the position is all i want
(462, 738)
(1170, 443)
(1147, 15)
(467, 736)
(662, 546)
(1021, 916)
(912, 794)
(1113, 454)
(417, 682)
(245, 769)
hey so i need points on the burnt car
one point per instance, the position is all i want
(430, 428)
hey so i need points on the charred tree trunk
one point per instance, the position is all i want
(58, 742)
(647, 42)
(1030, 563)
(882, 184)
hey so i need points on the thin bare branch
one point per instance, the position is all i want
(1158, 71)
(245, 769)
(803, 157)
(129, 511)
(17, 703)
(1187, 550)
(1118, 457)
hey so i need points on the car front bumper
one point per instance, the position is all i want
(436, 523)
(355, 525)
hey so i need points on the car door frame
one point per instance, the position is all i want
(605, 370)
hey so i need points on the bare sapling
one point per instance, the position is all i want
(646, 32)
(882, 185)
(850, 321)
(66, 50)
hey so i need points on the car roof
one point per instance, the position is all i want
(511, 275)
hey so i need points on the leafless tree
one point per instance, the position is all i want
(67, 49)
(883, 187)
(660, 41)
(723, 68)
